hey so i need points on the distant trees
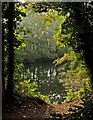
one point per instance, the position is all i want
(40, 29)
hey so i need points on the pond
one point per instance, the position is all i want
(46, 76)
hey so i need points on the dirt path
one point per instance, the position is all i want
(37, 111)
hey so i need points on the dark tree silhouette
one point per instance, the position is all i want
(83, 16)
(11, 15)
(10, 37)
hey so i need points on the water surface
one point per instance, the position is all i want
(46, 76)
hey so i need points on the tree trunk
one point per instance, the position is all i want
(3, 74)
(10, 25)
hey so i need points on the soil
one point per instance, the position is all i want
(41, 111)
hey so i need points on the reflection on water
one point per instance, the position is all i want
(46, 76)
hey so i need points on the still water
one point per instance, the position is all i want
(46, 76)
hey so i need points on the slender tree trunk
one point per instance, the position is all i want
(10, 23)
(3, 80)
(3, 52)
(3, 74)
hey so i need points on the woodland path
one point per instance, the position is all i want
(43, 111)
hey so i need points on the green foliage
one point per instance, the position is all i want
(73, 75)
(26, 88)
(47, 35)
